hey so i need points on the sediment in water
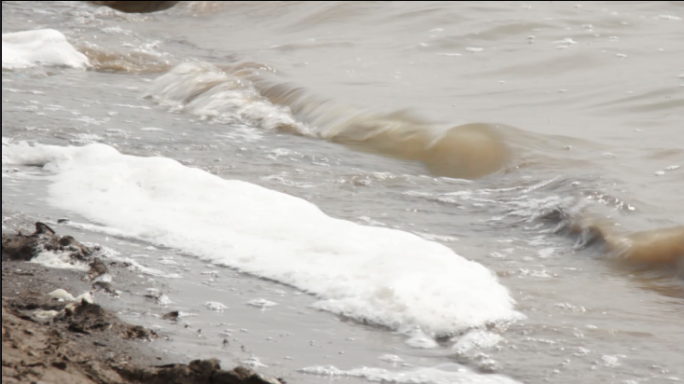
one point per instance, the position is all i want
(658, 248)
(239, 95)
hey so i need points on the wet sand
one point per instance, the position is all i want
(49, 339)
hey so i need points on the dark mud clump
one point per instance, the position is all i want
(39, 346)
(64, 349)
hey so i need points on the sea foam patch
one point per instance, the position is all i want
(58, 260)
(384, 276)
(444, 374)
(40, 47)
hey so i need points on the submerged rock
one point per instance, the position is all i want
(137, 6)
(197, 372)
(173, 316)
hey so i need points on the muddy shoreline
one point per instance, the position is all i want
(50, 337)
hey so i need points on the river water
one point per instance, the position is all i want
(543, 141)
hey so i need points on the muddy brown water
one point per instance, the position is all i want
(576, 112)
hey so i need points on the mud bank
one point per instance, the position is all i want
(50, 337)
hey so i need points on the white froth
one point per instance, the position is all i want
(214, 306)
(384, 276)
(58, 260)
(476, 340)
(45, 315)
(41, 47)
(60, 294)
(444, 374)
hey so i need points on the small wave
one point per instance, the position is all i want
(205, 91)
(239, 95)
(661, 248)
(558, 206)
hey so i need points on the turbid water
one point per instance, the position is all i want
(542, 141)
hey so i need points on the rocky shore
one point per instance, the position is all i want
(51, 337)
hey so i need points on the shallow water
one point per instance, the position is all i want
(575, 111)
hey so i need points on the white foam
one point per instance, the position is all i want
(476, 340)
(58, 260)
(214, 306)
(384, 276)
(45, 315)
(41, 47)
(443, 374)
(61, 294)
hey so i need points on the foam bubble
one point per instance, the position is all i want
(41, 47)
(380, 275)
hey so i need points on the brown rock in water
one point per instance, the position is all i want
(137, 6)
(173, 316)
(97, 268)
(197, 372)
(21, 247)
